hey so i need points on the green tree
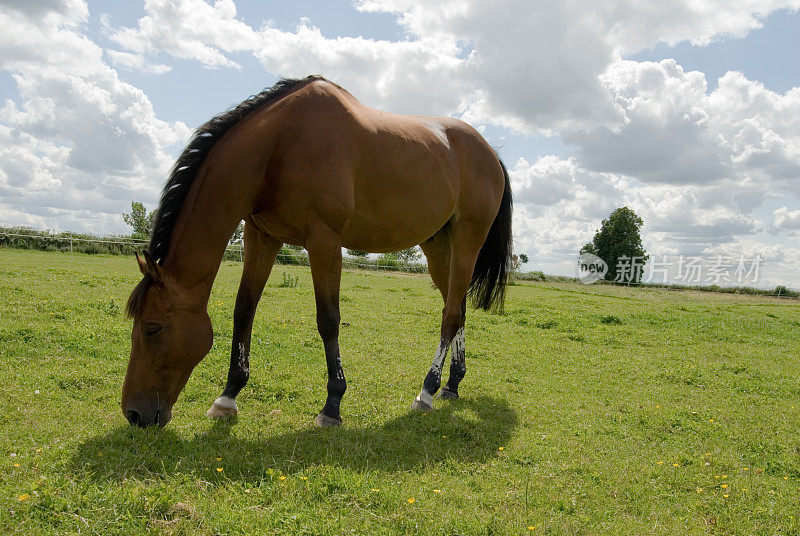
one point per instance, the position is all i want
(140, 220)
(357, 253)
(619, 244)
(238, 234)
(409, 255)
(517, 261)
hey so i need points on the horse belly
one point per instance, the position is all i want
(396, 211)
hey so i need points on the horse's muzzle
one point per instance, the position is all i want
(155, 414)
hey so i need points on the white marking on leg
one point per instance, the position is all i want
(244, 365)
(436, 367)
(226, 402)
(425, 397)
(458, 344)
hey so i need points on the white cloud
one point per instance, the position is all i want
(787, 219)
(741, 142)
(532, 67)
(135, 62)
(190, 29)
(80, 140)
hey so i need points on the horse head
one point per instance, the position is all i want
(171, 334)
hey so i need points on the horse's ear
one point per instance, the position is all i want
(150, 267)
(141, 263)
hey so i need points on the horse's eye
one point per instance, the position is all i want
(152, 329)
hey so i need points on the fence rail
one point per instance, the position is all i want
(289, 257)
(128, 246)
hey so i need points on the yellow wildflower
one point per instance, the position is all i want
(411, 500)
(219, 469)
(23, 497)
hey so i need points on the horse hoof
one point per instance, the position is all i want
(223, 408)
(446, 394)
(419, 405)
(324, 421)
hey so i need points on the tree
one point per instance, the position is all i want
(357, 253)
(140, 220)
(619, 244)
(517, 261)
(238, 234)
(409, 255)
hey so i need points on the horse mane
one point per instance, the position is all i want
(183, 173)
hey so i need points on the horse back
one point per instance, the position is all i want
(383, 181)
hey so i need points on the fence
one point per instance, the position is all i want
(127, 246)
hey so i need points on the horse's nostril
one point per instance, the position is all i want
(133, 416)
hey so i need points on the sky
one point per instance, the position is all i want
(686, 111)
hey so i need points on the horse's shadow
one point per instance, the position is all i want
(463, 430)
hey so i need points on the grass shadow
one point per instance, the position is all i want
(470, 431)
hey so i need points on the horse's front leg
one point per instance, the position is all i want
(260, 251)
(325, 256)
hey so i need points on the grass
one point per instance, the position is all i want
(585, 410)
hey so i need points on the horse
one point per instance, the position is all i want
(305, 163)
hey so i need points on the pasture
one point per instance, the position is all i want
(585, 410)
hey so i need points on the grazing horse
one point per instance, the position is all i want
(305, 163)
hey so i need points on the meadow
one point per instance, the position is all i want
(585, 410)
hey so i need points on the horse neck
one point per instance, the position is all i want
(209, 216)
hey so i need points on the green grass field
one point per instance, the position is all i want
(585, 410)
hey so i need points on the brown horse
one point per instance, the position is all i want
(305, 163)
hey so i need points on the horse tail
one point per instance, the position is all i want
(487, 288)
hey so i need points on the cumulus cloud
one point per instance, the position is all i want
(787, 219)
(192, 30)
(526, 66)
(80, 140)
(135, 62)
(742, 141)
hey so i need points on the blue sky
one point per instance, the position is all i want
(687, 116)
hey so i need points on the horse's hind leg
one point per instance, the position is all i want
(458, 362)
(325, 256)
(437, 254)
(260, 251)
(464, 247)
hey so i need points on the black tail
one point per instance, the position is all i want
(487, 289)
